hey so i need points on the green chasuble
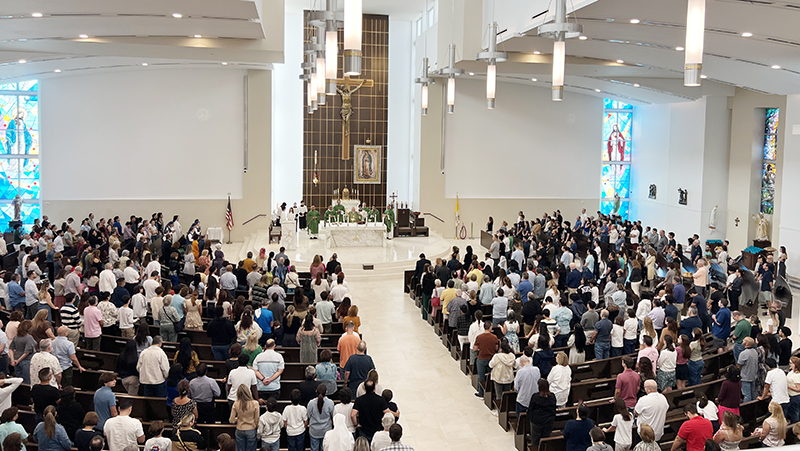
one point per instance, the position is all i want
(329, 216)
(374, 215)
(312, 218)
(388, 219)
(353, 216)
(340, 213)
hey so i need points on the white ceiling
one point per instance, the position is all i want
(651, 60)
(395, 9)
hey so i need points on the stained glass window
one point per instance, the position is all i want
(616, 157)
(19, 149)
(771, 123)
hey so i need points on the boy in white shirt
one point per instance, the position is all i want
(126, 318)
(157, 443)
(269, 427)
(295, 419)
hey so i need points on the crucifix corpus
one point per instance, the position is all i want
(346, 88)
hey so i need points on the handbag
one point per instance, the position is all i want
(435, 302)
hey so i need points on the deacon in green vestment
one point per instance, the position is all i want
(312, 221)
(388, 219)
(330, 215)
(340, 212)
(374, 215)
(353, 216)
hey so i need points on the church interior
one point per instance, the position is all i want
(380, 130)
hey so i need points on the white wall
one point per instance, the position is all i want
(529, 147)
(287, 117)
(162, 125)
(400, 155)
(789, 211)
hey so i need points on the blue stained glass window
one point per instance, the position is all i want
(19, 151)
(616, 156)
(768, 173)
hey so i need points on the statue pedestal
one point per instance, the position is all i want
(762, 244)
(12, 224)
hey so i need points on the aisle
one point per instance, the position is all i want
(438, 409)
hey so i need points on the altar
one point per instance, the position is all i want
(354, 235)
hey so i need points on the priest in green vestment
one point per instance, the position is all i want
(330, 215)
(388, 219)
(312, 221)
(353, 216)
(374, 215)
(340, 211)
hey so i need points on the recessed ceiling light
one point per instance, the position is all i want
(533, 79)
(775, 66)
(583, 38)
(471, 74)
(177, 15)
(144, 64)
(58, 71)
(37, 15)
(636, 85)
(747, 34)
(224, 63)
(680, 49)
(634, 21)
(596, 90)
(620, 62)
(537, 53)
(83, 36)
(198, 36)
(22, 61)
(704, 77)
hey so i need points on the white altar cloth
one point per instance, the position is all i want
(355, 235)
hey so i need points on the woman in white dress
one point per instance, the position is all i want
(560, 379)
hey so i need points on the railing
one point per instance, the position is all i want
(254, 218)
(434, 216)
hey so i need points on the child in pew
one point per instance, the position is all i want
(84, 436)
(225, 442)
(388, 395)
(598, 440)
(269, 427)
(622, 425)
(157, 442)
(708, 410)
(295, 420)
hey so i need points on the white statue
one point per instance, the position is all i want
(761, 227)
(712, 221)
(17, 207)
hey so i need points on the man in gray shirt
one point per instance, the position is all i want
(204, 390)
(539, 285)
(228, 281)
(589, 319)
(325, 309)
(487, 291)
(499, 308)
(748, 364)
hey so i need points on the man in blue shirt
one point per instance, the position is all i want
(691, 322)
(105, 402)
(766, 279)
(16, 294)
(573, 278)
(721, 328)
(563, 316)
(525, 286)
(602, 336)
(679, 291)
(669, 308)
(702, 308)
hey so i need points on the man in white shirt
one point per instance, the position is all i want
(150, 286)
(58, 242)
(475, 329)
(108, 281)
(776, 385)
(131, 275)
(153, 367)
(7, 390)
(652, 409)
(242, 376)
(44, 359)
(122, 431)
(338, 293)
(31, 296)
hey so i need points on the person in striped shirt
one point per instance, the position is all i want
(71, 318)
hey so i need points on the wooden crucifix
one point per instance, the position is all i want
(345, 87)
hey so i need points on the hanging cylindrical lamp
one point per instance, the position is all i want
(492, 57)
(560, 30)
(451, 71)
(451, 95)
(321, 75)
(424, 80)
(312, 88)
(352, 37)
(331, 59)
(695, 29)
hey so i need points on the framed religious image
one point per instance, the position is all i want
(653, 192)
(367, 164)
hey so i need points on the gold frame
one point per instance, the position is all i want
(358, 151)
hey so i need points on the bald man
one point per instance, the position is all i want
(652, 409)
(357, 367)
(64, 351)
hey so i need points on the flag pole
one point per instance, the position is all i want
(229, 219)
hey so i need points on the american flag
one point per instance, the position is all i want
(229, 215)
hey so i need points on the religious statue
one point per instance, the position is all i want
(616, 142)
(388, 220)
(761, 227)
(17, 207)
(18, 139)
(617, 204)
(347, 107)
(712, 221)
(312, 220)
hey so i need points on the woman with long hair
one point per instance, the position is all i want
(577, 345)
(50, 435)
(41, 327)
(671, 329)
(730, 397)
(317, 267)
(649, 330)
(186, 437)
(372, 376)
(730, 432)
(319, 284)
(344, 307)
(188, 359)
(543, 355)
(126, 368)
(212, 284)
(696, 362)
(542, 412)
(247, 326)
(684, 351)
(667, 361)
(309, 338)
(320, 417)
(708, 410)
(251, 348)
(560, 379)
(621, 425)
(291, 324)
(58, 289)
(194, 312)
(142, 338)
(244, 414)
(22, 348)
(510, 329)
(645, 369)
(352, 315)
(182, 405)
(773, 431)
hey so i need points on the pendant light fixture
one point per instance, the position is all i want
(424, 80)
(331, 59)
(695, 29)
(560, 30)
(320, 68)
(492, 57)
(451, 71)
(328, 22)
(352, 37)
